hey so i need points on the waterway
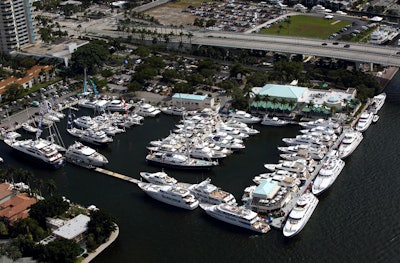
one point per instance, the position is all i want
(357, 220)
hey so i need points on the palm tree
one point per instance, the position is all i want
(51, 187)
(274, 101)
(190, 36)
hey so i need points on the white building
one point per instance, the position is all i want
(73, 229)
(192, 101)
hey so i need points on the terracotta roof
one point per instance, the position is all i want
(5, 190)
(30, 74)
(16, 207)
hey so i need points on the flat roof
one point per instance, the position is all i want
(282, 91)
(189, 96)
(73, 227)
(266, 189)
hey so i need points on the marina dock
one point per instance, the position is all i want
(278, 222)
(117, 175)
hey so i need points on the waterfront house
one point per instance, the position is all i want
(193, 102)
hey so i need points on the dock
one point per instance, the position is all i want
(117, 175)
(278, 222)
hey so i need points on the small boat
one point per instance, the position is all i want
(29, 128)
(375, 119)
(170, 194)
(273, 121)
(158, 178)
(1, 160)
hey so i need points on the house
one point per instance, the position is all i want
(17, 207)
(73, 229)
(193, 102)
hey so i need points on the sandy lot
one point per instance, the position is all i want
(171, 16)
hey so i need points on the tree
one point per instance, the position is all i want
(59, 250)
(49, 207)
(13, 91)
(91, 56)
(100, 226)
(51, 186)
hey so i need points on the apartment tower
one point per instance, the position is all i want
(16, 25)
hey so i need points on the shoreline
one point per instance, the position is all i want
(103, 246)
(386, 76)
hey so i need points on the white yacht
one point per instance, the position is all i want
(87, 103)
(364, 121)
(244, 117)
(179, 161)
(322, 122)
(170, 194)
(158, 178)
(118, 105)
(208, 193)
(330, 170)
(99, 138)
(203, 152)
(147, 110)
(300, 214)
(85, 156)
(349, 143)
(239, 216)
(316, 153)
(377, 102)
(28, 127)
(173, 110)
(273, 121)
(303, 139)
(85, 122)
(39, 149)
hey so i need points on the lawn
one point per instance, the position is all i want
(306, 26)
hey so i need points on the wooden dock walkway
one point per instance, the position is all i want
(117, 175)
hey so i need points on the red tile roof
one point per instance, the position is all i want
(16, 208)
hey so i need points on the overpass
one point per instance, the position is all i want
(359, 53)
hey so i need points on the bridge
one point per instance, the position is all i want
(361, 53)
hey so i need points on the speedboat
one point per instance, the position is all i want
(244, 117)
(300, 214)
(41, 150)
(273, 121)
(147, 110)
(349, 143)
(178, 161)
(118, 105)
(208, 193)
(237, 215)
(158, 178)
(327, 175)
(364, 121)
(83, 155)
(170, 194)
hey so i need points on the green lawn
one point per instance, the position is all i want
(306, 26)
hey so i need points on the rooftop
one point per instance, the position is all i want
(266, 189)
(189, 96)
(16, 207)
(74, 227)
(282, 91)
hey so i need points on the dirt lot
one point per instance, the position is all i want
(171, 15)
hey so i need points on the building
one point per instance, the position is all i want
(193, 102)
(36, 74)
(16, 25)
(17, 207)
(269, 196)
(73, 229)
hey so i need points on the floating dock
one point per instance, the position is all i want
(117, 175)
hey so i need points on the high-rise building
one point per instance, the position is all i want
(16, 25)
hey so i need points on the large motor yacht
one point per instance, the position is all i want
(364, 121)
(377, 102)
(206, 192)
(300, 214)
(170, 194)
(330, 170)
(158, 178)
(273, 121)
(99, 138)
(118, 105)
(349, 143)
(85, 156)
(239, 216)
(40, 149)
(179, 161)
(147, 110)
(85, 122)
(244, 117)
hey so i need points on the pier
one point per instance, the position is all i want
(117, 175)
(278, 222)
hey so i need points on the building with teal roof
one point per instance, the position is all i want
(266, 189)
(192, 101)
(282, 91)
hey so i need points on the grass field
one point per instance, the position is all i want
(306, 26)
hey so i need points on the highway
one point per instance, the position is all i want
(357, 52)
